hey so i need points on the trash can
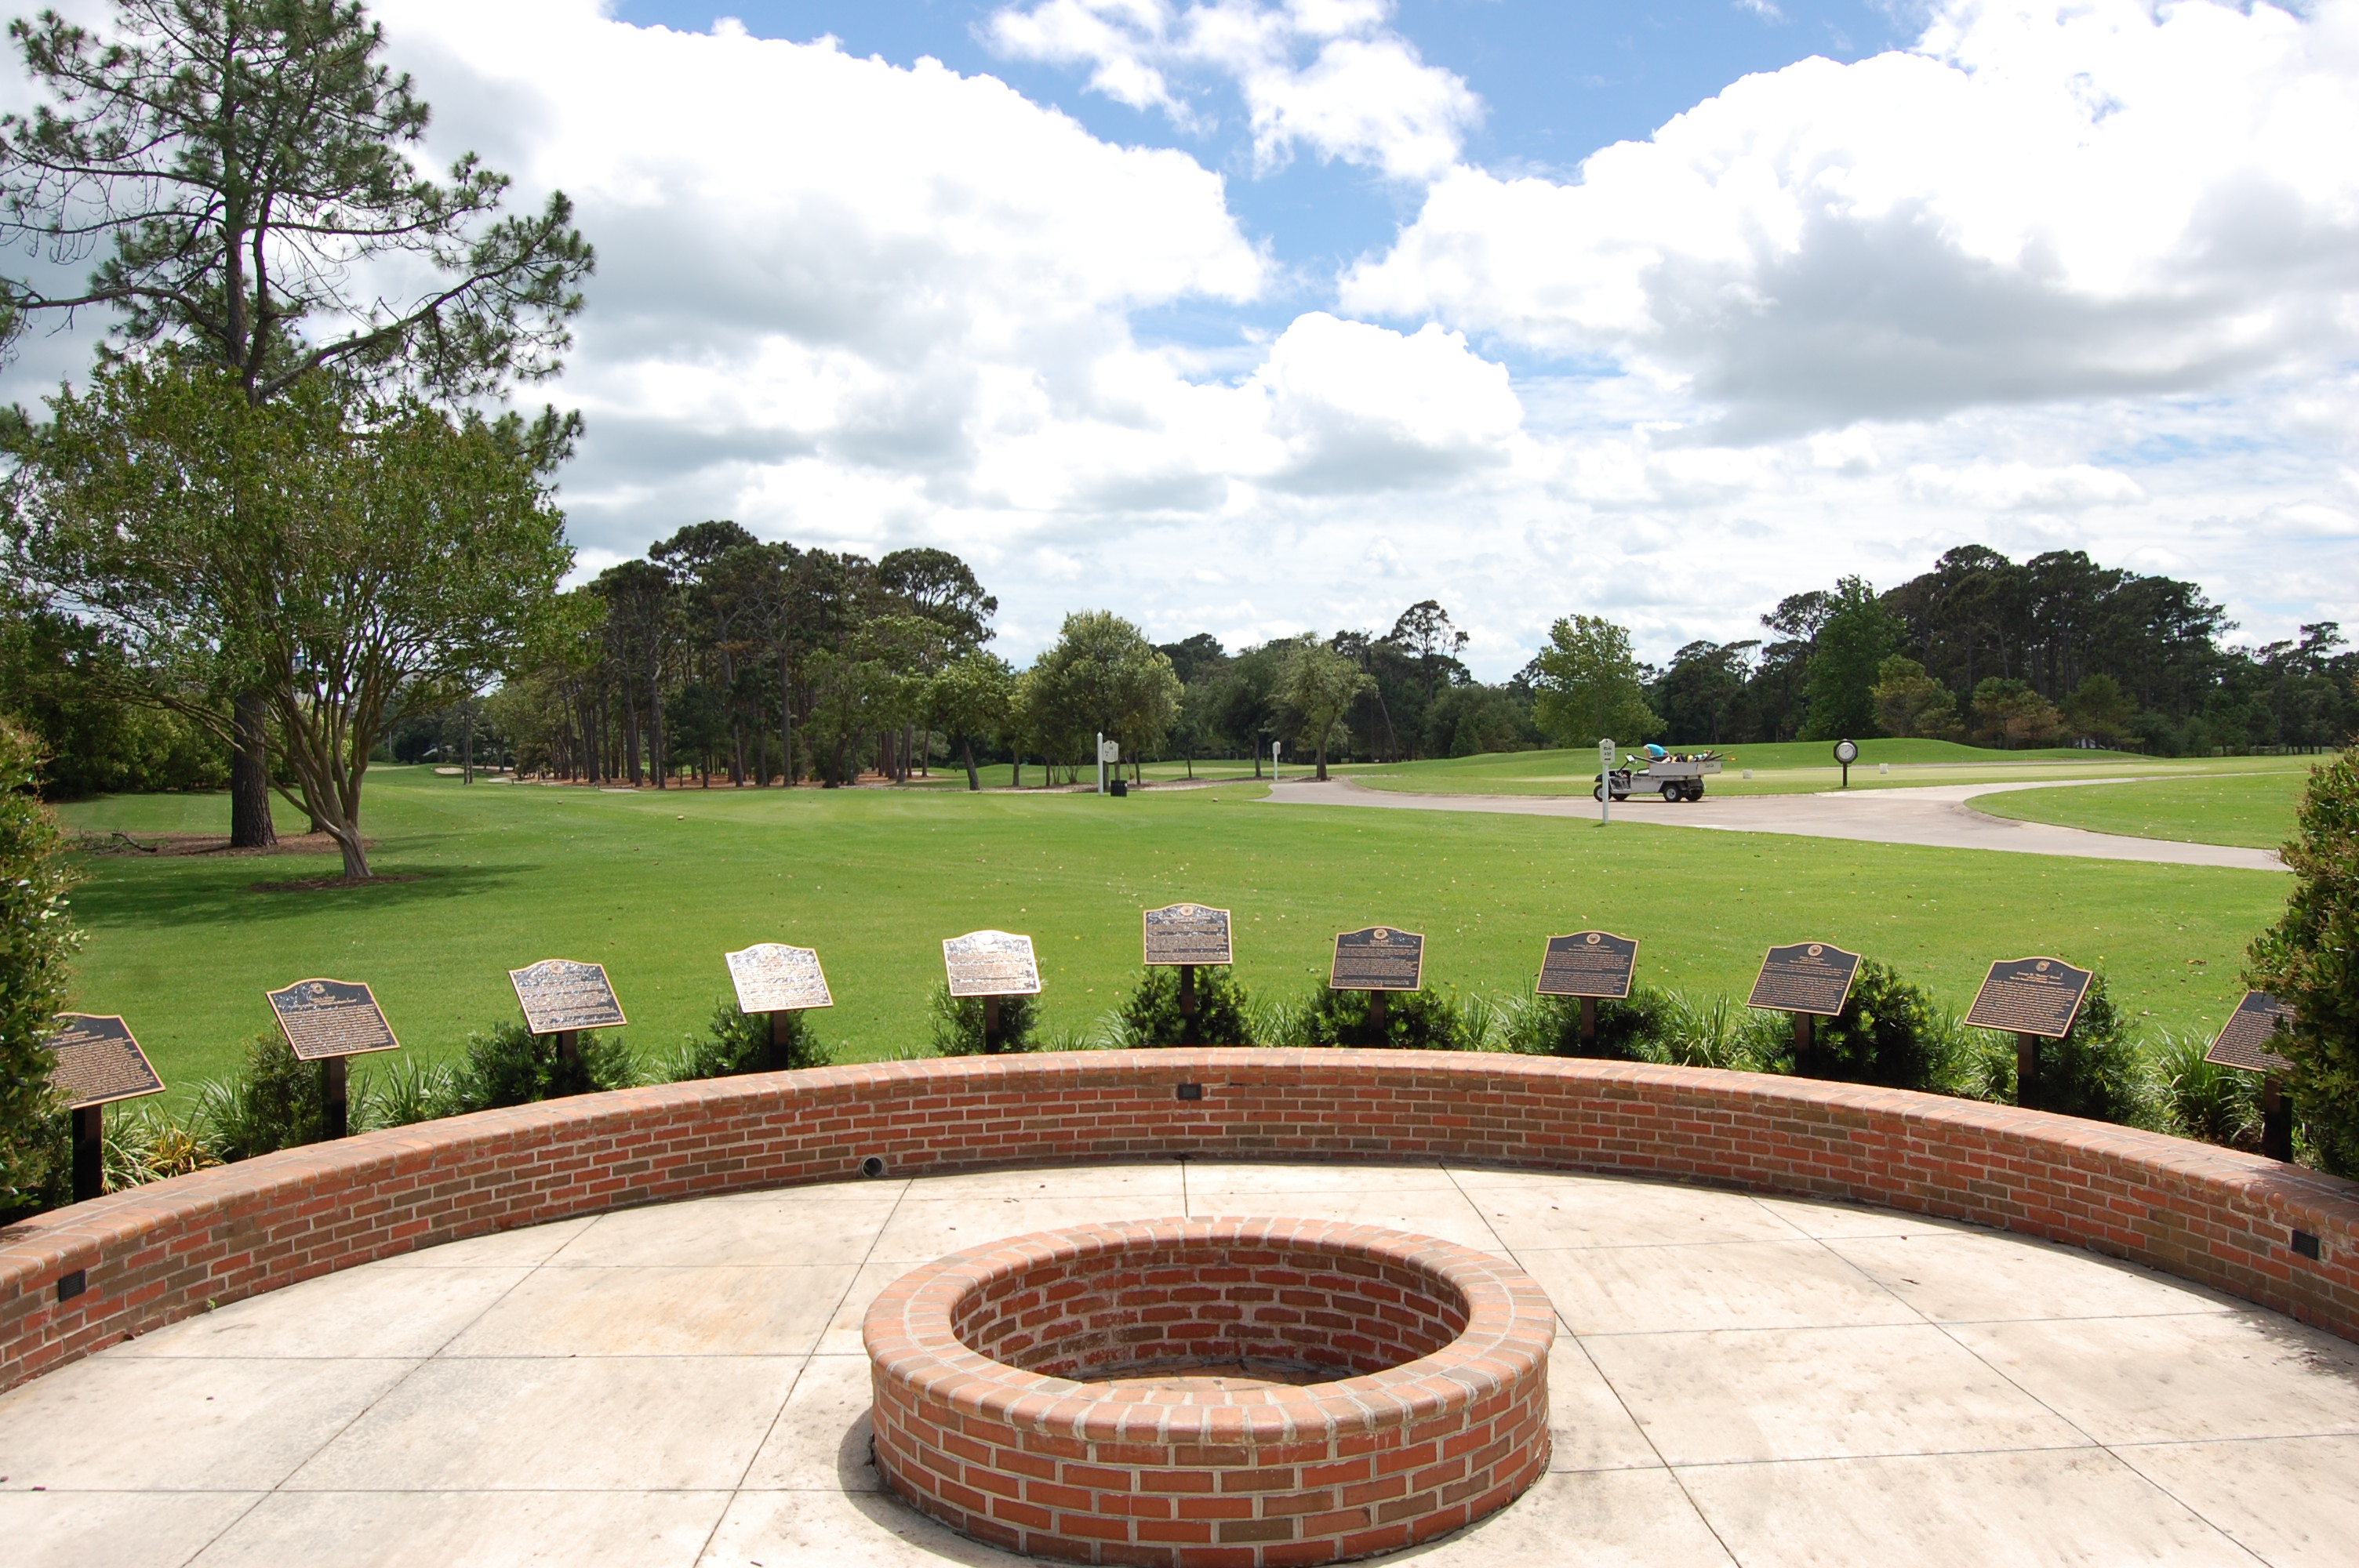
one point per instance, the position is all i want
(1118, 787)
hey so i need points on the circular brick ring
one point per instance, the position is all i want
(1202, 1391)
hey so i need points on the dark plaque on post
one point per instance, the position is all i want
(771, 977)
(2030, 996)
(990, 963)
(2250, 1039)
(560, 996)
(1380, 958)
(1588, 964)
(2249, 1043)
(1809, 978)
(1188, 934)
(330, 1018)
(99, 1062)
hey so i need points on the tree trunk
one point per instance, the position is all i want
(249, 775)
(974, 780)
(786, 721)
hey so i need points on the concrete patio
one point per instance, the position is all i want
(1742, 1380)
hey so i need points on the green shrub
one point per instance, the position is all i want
(1889, 1034)
(2096, 1071)
(403, 1094)
(1633, 1029)
(2310, 959)
(958, 1024)
(36, 938)
(274, 1103)
(739, 1042)
(1423, 1020)
(1150, 1015)
(508, 1065)
(2205, 1100)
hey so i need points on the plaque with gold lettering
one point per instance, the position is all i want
(99, 1062)
(2252, 1035)
(990, 963)
(330, 1018)
(771, 977)
(2030, 996)
(1379, 959)
(1808, 977)
(1186, 934)
(559, 996)
(1588, 963)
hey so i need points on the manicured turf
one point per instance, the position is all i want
(2255, 810)
(1802, 767)
(659, 886)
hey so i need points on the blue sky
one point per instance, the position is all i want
(1259, 316)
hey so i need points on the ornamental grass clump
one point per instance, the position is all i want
(274, 1102)
(1150, 1015)
(2205, 1100)
(2310, 959)
(737, 1041)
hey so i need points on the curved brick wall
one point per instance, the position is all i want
(161, 1253)
(998, 1412)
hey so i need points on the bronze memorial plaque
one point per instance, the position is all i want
(330, 1018)
(559, 995)
(1588, 963)
(99, 1062)
(1377, 959)
(990, 963)
(1186, 934)
(2029, 996)
(1808, 977)
(771, 977)
(2249, 1039)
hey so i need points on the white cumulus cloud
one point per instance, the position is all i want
(1330, 75)
(2038, 201)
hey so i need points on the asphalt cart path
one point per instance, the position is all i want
(1936, 815)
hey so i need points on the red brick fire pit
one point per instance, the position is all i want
(1223, 1391)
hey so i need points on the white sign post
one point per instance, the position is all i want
(1108, 751)
(1274, 745)
(1102, 763)
(1604, 782)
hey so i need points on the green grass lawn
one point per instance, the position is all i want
(659, 886)
(1802, 767)
(2254, 809)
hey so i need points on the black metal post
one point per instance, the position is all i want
(89, 1152)
(1588, 1022)
(2277, 1120)
(569, 1056)
(1805, 1046)
(778, 1040)
(1187, 1005)
(1377, 1015)
(335, 1100)
(2027, 1071)
(991, 1026)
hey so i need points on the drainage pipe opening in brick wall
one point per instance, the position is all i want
(1189, 1391)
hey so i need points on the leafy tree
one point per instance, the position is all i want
(348, 557)
(937, 586)
(65, 683)
(239, 166)
(1589, 685)
(1102, 676)
(2101, 711)
(2009, 714)
(1851, 645)
(1699, 693)
(2310, 958)
(37, 941)
(1910, 703)
(1320, 685)
(972, 699)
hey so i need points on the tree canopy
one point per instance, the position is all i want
(1589, 685)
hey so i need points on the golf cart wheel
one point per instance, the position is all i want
(1597, 793)
(1695, 792)
(1672, 793)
